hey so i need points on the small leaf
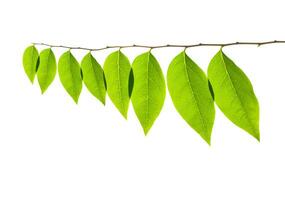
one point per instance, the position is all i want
(93, 77)
(189, 91)
(47, 69)
(117, 71)
(234, 93)
(30, 62)
(70, 75)
(149, 89)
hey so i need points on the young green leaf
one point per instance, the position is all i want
(47, 69)
(30, 62)
(189, 91)
(70, 75)
(234, 93)
(93, 77)
(149, 89)
(117, 70)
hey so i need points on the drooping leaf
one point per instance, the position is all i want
(70, 75)
(47, 69)
(117, 70)
(30, 62)
(93, 77)
(149, 89)
(234, 93)
(189, 91)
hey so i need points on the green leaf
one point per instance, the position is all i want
(70, 75)
(189, 91)
(30, 62)
(47, 69)
(117, 70)
(234, 93)
(93, 77)
(149, 89)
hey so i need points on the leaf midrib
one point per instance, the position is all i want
(71, 72)
(147, 96)
(119, 83)
(32, 64)
(47, 65)
(193, 94)
(92, 61)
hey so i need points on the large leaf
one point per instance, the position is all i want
(117, 70)
(70, 75)
(189, 91)
(149, 89)
(93, 77)
(47, 69)
(30, 62)
(234, 93)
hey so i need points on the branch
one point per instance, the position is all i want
(165, 46)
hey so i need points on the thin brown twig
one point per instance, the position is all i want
(164, 46)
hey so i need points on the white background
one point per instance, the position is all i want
(53, 149)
